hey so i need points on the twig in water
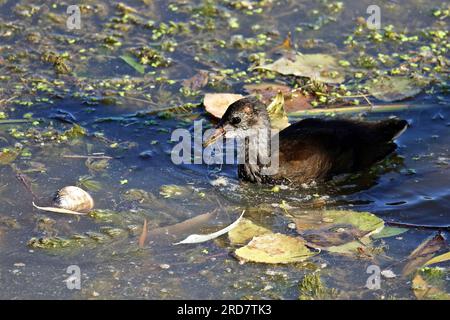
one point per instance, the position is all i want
(143, 235)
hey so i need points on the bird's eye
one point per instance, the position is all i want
(235, 120)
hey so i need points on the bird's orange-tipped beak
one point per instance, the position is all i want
(219, 132)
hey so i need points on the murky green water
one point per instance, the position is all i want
(120, 110)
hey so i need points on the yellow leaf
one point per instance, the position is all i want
(274, 248)
(245, 231)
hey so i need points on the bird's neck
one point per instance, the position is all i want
(257, 153)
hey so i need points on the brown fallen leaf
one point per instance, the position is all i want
(245, 231)
(217, 103)
(339, 231)
(320, 67)
(197, 81)
(293, 100)
(423, 253)
(395, 88)
(333, 236)
(143, 235)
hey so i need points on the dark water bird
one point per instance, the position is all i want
(311, 149)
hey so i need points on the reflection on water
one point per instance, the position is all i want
(138, 181)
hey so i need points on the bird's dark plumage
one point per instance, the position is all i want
(314, 149)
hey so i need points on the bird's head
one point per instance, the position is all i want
(241, 116)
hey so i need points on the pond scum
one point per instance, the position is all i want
(155, 61)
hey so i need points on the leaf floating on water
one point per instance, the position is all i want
(59, 210)
(218, 103)
(278, 117)
(334, 235)
(275, 248)
(320, 67)
(353, 247)
(389, 232)
(391, 89)
(199, 238)
(129, 59)
(364, 221)
(441, 258)
(245, 231)
(293, 100)
(423, 253)
(338, 231)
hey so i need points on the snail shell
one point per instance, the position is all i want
(74, 199)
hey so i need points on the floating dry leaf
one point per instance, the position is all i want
(334, 235)
(245, 231)
(320, 67)
(275, 248)
(339, 231)
(391, 89)
(423, 253)
(218, 103)
(354, 247)
(293, 100)
(364, 221)
(199, 238)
